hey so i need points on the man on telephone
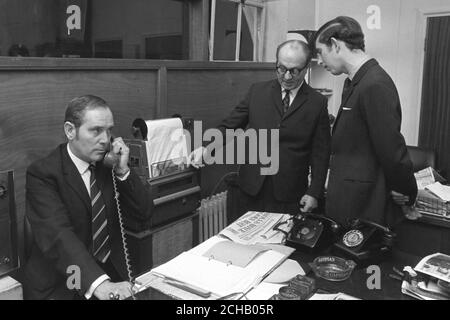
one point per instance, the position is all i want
(77, 245)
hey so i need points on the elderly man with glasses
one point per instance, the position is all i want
(299, 113)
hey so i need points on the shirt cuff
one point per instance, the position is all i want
(95, 284)
(124, 177)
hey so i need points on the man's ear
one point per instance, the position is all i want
(70, 130)
(336, 44)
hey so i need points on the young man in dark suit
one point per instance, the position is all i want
(77, 249)
(370, 168)
(299, 113)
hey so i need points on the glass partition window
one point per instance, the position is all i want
(236, 29)
(133, 29)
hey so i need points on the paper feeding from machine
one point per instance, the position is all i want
(172, 185)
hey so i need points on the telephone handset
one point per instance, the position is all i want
(313, 231)
(366, 240)
(110, 160)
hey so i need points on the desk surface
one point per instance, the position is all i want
(356, 285)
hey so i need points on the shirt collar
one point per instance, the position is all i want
(82, 166)
(293, 92)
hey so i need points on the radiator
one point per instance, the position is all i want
(212, 215)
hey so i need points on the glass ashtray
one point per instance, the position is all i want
(332, 268)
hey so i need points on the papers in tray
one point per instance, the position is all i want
(443, 192)
(200, 273)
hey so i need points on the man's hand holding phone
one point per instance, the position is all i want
(120, 149)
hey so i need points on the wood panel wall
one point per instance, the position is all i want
(34, 93)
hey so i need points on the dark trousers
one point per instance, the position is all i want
(265, 201)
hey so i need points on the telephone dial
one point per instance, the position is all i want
(312, 231)
(110, 160)
(365, 241)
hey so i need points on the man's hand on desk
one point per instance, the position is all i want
(196, 157)
(308, 203)
(108, 290)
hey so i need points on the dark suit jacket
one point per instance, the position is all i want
(304, 139)
(368, 153)
(59, 211)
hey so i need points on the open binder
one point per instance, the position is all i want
(219, 267)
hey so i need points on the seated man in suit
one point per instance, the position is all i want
(299, 113)
(369, 167)
(77, 249)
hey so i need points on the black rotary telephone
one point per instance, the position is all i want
(365, 241)
(312, 231)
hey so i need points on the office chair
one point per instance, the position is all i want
(421, 158)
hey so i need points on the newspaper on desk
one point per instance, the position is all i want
(259, 228)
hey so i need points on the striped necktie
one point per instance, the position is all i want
(100, 236)
(286, 101)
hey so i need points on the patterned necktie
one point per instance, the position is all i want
(100, 236)
(286, 101)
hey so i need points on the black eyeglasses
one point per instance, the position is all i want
(293, 71)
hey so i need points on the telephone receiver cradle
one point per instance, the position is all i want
(365, 242)
(311, 232)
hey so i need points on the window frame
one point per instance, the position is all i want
(259, 26)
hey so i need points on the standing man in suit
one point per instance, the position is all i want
(369, 165)
(72, 210)
(290, 105)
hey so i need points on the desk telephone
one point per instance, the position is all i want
(313, 231)
(365, 240)
(110, 160)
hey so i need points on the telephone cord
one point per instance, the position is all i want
(122, 232)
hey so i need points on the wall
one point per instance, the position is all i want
(396, 46)
(282, 16)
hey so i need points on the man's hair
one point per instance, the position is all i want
(78, 106)
(342, 28)
(295, 44)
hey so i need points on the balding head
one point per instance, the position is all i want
(296, 49)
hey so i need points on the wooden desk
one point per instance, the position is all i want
(356, 285)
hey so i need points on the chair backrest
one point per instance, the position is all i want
(421, 158)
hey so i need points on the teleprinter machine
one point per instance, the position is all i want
(9, 254)
(174, 188)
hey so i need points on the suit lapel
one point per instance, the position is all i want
(276, 96)
(73, 178)
(347, 94)
(300, 99)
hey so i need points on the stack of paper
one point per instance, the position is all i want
(430, 278)
(434, 200)
(218, 268)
